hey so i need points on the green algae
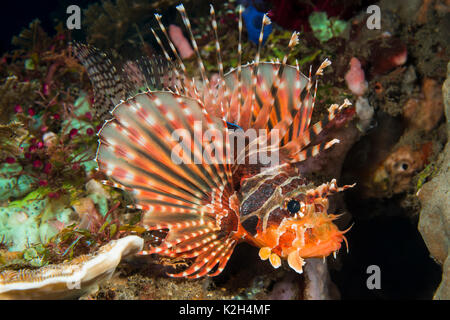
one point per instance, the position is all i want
(13, 183)
(323, 28)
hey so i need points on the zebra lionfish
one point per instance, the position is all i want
(205, 200)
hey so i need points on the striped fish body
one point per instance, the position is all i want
(173, 151)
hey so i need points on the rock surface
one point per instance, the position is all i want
(434, 224)
(318, 283)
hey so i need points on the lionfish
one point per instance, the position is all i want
(198, 188)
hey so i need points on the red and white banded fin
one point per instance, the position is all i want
(312, 151)
(260, 95)
(277, 93)
(215, 256)
(181, 187)
(296, 145)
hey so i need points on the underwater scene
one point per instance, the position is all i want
(225, 150)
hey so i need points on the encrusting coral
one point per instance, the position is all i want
(424, 113)
(14, 183)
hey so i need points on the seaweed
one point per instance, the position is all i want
(10, 136)
(15, 94)
(33, 39)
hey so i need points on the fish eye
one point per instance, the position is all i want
(293, 206)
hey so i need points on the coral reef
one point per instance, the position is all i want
(47, 155)
(424, 113)
(29, 221)
(55, 214)
(13, 183)
(429, 52)
(68, 280)
(421, 113)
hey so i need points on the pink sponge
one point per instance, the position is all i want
(181, 43)
(355, 78)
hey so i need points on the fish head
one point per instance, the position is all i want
(299, 227)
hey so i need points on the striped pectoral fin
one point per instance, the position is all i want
(223, 259)
(145, 183)
(135, 154)
(189, 247)
(186, 198)
(136, 149)
(218, 255)
(200, 260)
(184, 240)
(188, 229)
(192, 236)
(215, 254)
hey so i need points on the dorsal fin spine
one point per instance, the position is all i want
(187, 23)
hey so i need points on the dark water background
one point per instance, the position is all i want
(16, 15)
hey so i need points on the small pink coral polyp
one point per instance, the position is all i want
(182, 44)
(355, 78)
